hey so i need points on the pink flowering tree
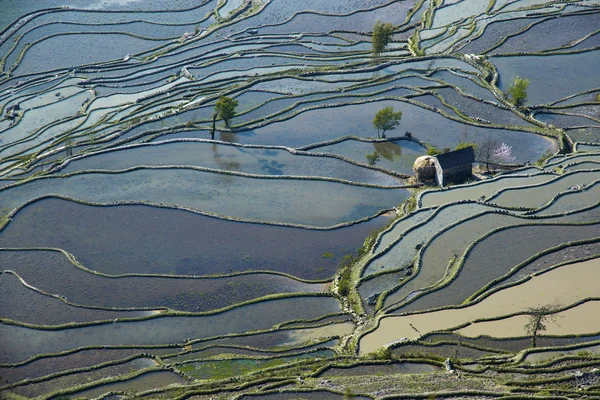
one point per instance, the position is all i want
(491, 151)
(503, 154)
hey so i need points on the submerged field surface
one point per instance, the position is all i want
(150, 250)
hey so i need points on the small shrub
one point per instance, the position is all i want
(372, 158)
(543, 158)
(345, 281)
(432, 151)
(328, 255)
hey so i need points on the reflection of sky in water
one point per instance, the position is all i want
(104, 4)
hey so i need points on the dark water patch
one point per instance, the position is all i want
(433, 101)
(379, 284)
(401, 253)
(465, 84)
(543, 35)
(71, 380)
(141, 239)
(447, 247)
(591, 111)
(80, 359)
(490, 259)
(590, 43)
(577, 74)
(22, 304)
(589, 135)
(141, 383)
(23, 343)
(581, 98)
(564, 120)
(52, 273)
(478, 109)
(493, 33)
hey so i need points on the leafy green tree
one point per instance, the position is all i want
(386, 119)
(225, 110)
(382, 34)
(517, 91)
(538, 317)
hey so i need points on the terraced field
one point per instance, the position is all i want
(150, 248)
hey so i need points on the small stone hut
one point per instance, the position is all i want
(454, 166)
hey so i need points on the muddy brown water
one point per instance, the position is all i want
(562, 286)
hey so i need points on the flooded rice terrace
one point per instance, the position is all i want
(218, 197)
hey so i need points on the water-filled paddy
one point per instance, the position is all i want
(260, 161)
(542, 356)
(288, 338)
(223, 369)
(325, 124)
(576, 72)
(52, 273)
(551, 260)
(71, 380)
(398, 155)
(573, 200)
(22, 304)
(483, 188)
(140, 383)
(277, 200)
(22, 343)
(569, 322)
(562, 286)
(79, 359)
(140, 239)
(536, 196)
(491, 260)
(541, 36)
(402, 252)
(307, 82)
(401, 226)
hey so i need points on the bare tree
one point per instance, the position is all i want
(538, 317)
(491, 151)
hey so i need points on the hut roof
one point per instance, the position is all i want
(456, 158)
